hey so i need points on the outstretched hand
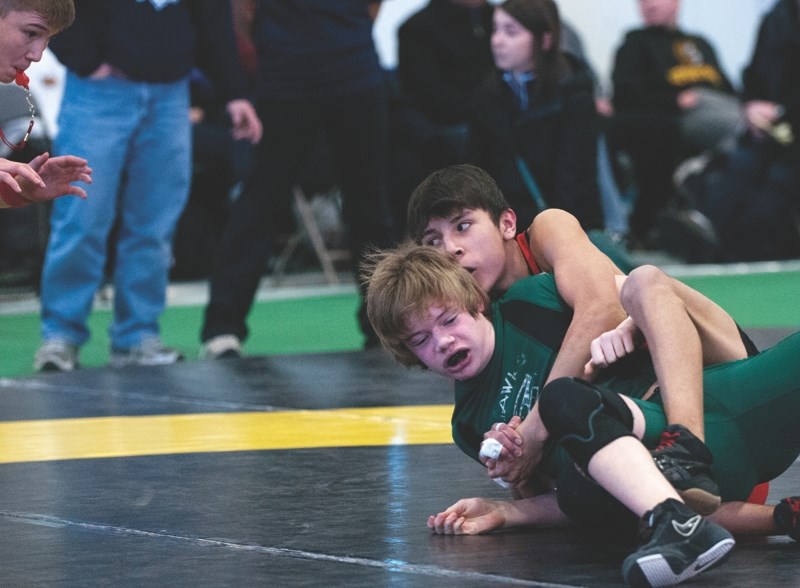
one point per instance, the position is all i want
(12, 171)
(54, 177)
(469, 516)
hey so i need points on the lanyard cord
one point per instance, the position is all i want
(22, 80)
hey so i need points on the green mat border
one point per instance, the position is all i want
(318, 324)
(315, 324)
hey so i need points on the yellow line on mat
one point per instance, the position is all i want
(85, 438)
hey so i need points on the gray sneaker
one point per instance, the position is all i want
(149, 352)
(56, 355)
(221, 347)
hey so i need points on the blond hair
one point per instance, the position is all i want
(59, 14)
(405, 282)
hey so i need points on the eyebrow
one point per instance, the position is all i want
(442, 312)
(455, 217)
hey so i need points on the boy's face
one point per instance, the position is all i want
(659, 13)
(473, 238)
(451, 343)
(512, 44)
(23, 39)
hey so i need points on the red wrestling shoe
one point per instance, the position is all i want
(787, 516)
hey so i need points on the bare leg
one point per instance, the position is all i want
(745, 519)
(626, 469)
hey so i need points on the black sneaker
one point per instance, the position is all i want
(682, 544)
(787, 516)
(686, 462)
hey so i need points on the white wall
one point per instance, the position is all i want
(730, 25)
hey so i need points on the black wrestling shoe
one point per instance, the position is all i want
(681, 545)
(787, 516)
(686, 462)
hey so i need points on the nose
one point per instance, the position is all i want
(452, 247)
(36, 51)
(443, 341)
(496, 39)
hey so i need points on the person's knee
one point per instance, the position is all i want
(640, 286)
(583, 417)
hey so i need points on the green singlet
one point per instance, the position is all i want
(752, 406)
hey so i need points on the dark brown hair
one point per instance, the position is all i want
(450, 190)
(540, 17)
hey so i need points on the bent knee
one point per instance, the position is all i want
(640, 280)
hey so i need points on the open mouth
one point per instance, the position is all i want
(456, 358)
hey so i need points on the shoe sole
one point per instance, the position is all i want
(701, 501)
(50, 367)
(125, 362)
(652, 571)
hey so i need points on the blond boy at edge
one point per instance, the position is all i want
(25, 29)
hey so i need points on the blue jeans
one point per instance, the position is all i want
(137, 139)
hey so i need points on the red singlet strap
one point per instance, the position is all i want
(524, 246)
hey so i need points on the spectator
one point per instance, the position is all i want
(750, 194)
(661, 77)
(318, 72)
(534, 125)
(126, 105)
(444, 55)
(220, 163)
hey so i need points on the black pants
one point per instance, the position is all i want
(355, 126)
(653, 144)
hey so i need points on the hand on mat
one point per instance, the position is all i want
(468, 516)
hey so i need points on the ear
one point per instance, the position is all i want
(547, 41)
(508, 224)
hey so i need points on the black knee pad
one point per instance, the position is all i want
(583, 417)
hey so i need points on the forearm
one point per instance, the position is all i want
(746, 519)
(534, 436)
(586, 325)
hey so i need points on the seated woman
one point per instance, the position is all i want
(534, 126)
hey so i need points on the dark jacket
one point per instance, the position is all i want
(314, 48)
(153, 45)
(655, 64)
(774, 70)
(444, 54)
(556, 137)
